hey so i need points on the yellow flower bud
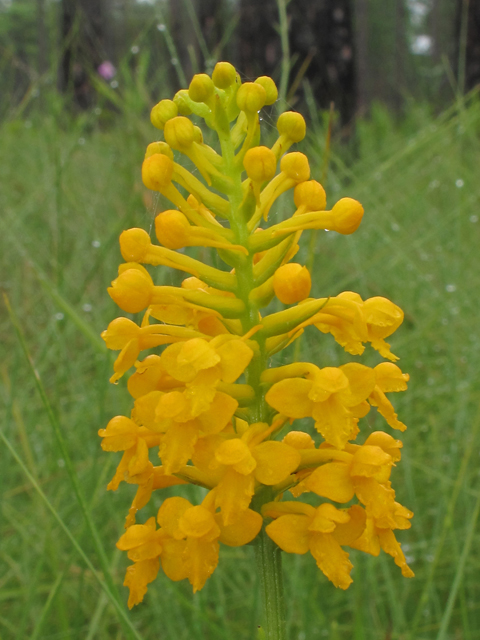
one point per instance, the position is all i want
(260, 164)
(292, 283)
(299, 440)
(310, 195)
(201, 88)
(179, 133)
(134, 244)
(270, 88)
(292, 125)
(132, 290)
(295, 166)
(347, 215)
(182, 105)
(223, 75)
(171, 228)
(159, 147)
(197, 135)
(251, 97)
(163, 111)
(157, 171)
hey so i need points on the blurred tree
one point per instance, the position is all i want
(82, 36)
(468, 47)
(321, 46)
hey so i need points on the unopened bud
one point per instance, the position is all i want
(251, 97)
(181, 102)
(292, 125)
(260, 164)
(292, 283)
(311, 195)
(270, 88)
(134, 244)
(299, 440)
(157, 171)
(179, 133)
(347, 215)
(197, 135)
(162, 112)
(201, 88)
(223, 75)
(132, 290)
(159, 147)
(171, 228)
(295, 166)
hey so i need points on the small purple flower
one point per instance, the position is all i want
(106, 70)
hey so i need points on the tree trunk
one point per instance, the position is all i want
(468, 38)
(321, 47)
(82, 30)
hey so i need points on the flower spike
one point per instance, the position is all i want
(207, 404)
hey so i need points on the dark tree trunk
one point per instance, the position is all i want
(321, 47)
(361, 50)
(82, 29)
(468, 38)
(259, 49)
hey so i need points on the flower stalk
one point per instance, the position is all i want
(208, 407)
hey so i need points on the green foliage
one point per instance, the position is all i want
(70, 187)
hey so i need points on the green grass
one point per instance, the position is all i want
(68, 188)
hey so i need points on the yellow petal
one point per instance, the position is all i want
(290, 533)
(368, 461)
(169, 515)
(137, 577)
(347, 532)
(147, 551)
(200, 561)
(287, 507)
(119, 333)
(144, 411)
(126, 359)
(390, 545)
(299, 440)
(332, 481)
(327, 381)
(336, 424)
(233, 495)
(385, 408)
(386, 442)
(137, 535)
(147, 377)
(275, 461)
(170, 405)
(219, 413)
(139, 460)
(361, 381)
(178, 445)
(241, 532)
(327, 517)
(383, 317)
(172, 559)
(232, 452)
(368, 541)
(197, 522)
(290, 397)
(331, 559)
(389, 377)
(235, 356)
(379, 499)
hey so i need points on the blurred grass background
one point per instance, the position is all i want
(70, 184)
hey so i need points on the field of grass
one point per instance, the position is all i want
(69, 186)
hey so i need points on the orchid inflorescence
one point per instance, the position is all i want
(210, 402)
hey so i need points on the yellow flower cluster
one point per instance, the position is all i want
(209, 403)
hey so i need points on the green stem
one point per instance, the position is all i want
(269, 567)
